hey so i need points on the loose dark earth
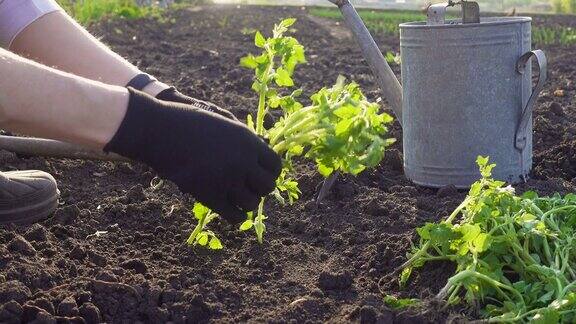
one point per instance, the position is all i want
(115, 251)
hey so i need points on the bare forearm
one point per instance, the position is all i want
(57, 40)
(41, 101)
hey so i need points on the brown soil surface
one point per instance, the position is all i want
(319, 263)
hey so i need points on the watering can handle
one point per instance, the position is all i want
(527, 112)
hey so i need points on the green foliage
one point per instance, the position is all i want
(392, 58)
(387, 22)
(564, 6)
(515, 255)
(556, 5)
(400, 303)
(201, 236)
(340, 131)
(86, 12)
(558, 35)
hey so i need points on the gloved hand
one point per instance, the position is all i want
(173, 95)
(219, 161)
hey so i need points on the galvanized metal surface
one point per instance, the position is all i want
(470, 12)
(464, 97)
(527, 113)
(436, 14)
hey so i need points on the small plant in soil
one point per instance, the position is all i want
(201, 236)
(515, 255)
(340, 131)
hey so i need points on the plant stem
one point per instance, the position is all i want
(262, 94)
(259, 221)
(260, 114)
(286, 143)
(197, 230)
(457, 211)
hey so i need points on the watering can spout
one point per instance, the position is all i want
(386, 79)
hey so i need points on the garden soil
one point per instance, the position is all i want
(115, 249)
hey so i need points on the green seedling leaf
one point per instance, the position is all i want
(203, 239)
(200, 210)
(547, 316)
(246, 225)
(405, 275)
(283, 78)
(250, 123)
(400, 303)
(249, 62)
(482, 242)
(215, 243)
(288, 22)
(324, 170)
(259, 40)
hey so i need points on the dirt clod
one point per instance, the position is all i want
(11, 312)
(78, 253)
(44, 304)
(45, 318)
(68, 307)
(368, 315)
(556, 108)
(335, 280)
(134, 264)
(97, 259)
(21, 245)
(447, 191)
(90, 313)
(106, 276)
(37, 233)
(135, 195)
(66, 215)
(14, 290)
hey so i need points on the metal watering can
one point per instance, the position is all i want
(467, 91)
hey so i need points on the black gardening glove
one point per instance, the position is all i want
(219, 161)
(173, 95)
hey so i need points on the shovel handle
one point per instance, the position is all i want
(521, 135)
(50, 148)
(385, 77)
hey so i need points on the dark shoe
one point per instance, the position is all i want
(27, 196)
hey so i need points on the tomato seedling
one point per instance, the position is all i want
(199, 235)
(339, 131)
(515, 255)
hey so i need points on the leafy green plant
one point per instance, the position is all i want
(400, 303)
(392, 58)
(340, 131)
(201, 236)
(515, 255)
